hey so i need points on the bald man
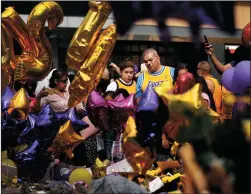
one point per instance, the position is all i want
(204, 69)
(155, 73)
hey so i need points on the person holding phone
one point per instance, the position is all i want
(241, 53)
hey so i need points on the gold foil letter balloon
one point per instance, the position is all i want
(41, 64)
(6, 45)
(36, 57)
(87, 33)
(15, 26)
(93, 67)
(7, 51)
(19, 105)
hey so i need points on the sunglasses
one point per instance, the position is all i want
(63, 81)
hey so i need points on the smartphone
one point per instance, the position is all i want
(108, 64)
(205, 37)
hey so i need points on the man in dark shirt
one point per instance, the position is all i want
(241, 53)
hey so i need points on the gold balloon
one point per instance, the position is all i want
(164, 88)
(191, 98)
(140, 158)
(36, 55)
(19, 30)
(20, 104)
(99, 168)
(80, 174)
(7, 54)
(86, 35)
(5, 80)
(66, 140)
(93, 67)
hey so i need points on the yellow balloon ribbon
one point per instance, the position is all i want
(20, 104)
(140, 158)
(91, 71)
(86, 35)
(66, 140)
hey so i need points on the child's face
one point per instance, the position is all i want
(127, 74)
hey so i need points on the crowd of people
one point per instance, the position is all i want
(129, 79)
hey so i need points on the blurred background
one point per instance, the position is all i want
(142, 35)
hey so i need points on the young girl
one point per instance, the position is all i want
(126, 80)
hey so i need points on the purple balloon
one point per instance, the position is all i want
(11, 128)
(47, 125)
(229, 83)
(242, 74)
(71, 114)
(7, 95)
(46, 117)
(120, 111)
(149, 100)
(128, 104)
(32, 162)
(28, 154)
(30, 125)
(120, 97)
(98, 110)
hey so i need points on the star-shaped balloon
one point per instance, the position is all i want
(179, 105)
(149, 100)
(120, 111)
(29, 134)
(120, 97)
(11, 128)
(72, 115)
(164, 88)
(191, 98)
(98, 110)
(47, 125)
(7, 95)
(32, 162)
(19, 105)
(66, 140)
(140, 158)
